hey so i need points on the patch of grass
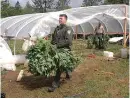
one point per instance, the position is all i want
(96, 88)
(3, 72)
(19, 44)
(102, 85)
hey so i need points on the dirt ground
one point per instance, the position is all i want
(30, 83)
(33, 87)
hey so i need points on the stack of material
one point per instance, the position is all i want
(115, 39)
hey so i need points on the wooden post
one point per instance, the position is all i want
(76, 31)
(125, 26)
(20, 75)
(84, 35)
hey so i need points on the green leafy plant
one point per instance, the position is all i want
(101, 41)
(105, 40)
(90, 42)
(45, 58)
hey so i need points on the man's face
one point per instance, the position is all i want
(62, 20)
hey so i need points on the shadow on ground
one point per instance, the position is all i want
(34, 82)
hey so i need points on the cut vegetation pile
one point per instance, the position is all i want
(45, 58)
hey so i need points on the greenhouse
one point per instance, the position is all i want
(114, 18)
(32, 60)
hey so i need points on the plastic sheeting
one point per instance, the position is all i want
(5, 54)
(115, 39)
(86, 18)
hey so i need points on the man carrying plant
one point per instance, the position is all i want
(62, 38)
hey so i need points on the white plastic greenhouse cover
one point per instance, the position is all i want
(6, 54)
(42, 24)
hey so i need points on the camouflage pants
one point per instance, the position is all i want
(101, 41)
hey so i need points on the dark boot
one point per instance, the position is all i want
(3, 95)
(54, 86)
(56, 82)
(68, 75)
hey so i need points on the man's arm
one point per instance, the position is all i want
(53, 39)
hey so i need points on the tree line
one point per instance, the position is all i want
(42, 6)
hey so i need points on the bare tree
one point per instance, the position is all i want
(90, 2)
(62, 4)
(28, 8)
(42, 5)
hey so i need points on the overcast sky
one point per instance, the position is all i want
(73, 3)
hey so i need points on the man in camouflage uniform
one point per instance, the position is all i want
(62, 38)
(99, 34)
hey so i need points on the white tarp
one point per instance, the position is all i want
(41, 24)
(5, 54)
(115, 39)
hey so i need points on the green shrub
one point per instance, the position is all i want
(45, 58)
(101, 41)
(90, 42)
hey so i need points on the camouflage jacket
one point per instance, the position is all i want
(62, 36)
